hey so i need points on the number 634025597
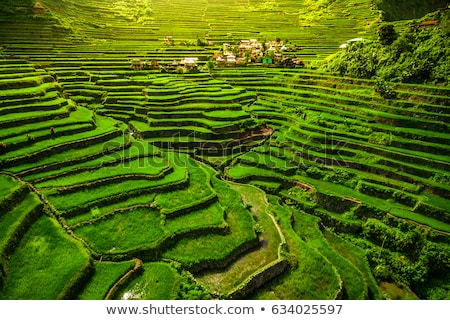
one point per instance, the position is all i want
(307, 309)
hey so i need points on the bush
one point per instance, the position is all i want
(384, 89)
(417, 56)
(387, 34)
(190, 290)
(315, 173)
(407, 9)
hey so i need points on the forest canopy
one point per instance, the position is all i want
(407, 9)
(416, 54)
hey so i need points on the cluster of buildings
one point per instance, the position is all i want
(253, 51)
(248, 51)
(188, 64)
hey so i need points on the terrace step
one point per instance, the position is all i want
(14, 223)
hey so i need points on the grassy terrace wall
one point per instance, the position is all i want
(343, 154)
(114, 166)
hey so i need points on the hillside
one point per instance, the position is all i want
(409, 9)
(148, 156)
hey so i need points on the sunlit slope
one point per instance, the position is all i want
(372, 168)
(356, 187)
(104, 187)
(143, 24)
(391, 149)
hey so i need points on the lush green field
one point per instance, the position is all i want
(47, 264)
(159, 281)
(124, 175)
(106, 274)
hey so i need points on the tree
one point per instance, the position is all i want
(387, 34)
(210, 66)
(200, 42)
(247, 54)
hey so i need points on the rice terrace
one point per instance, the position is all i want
(210, 149)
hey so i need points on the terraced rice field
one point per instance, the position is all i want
(243, 182)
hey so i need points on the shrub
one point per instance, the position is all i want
(190, 290)
(380, 138)
(259, 229)
(384, 89)
(314, 172)
(387, 34)
(416, 56)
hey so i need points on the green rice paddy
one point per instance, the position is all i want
(245, 181)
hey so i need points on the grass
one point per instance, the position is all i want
(147, 166)
(242, 171)
(106, 273)
(226, 114)
(394, 292)
(421, 219)
(46, 133)
(313, 276)
(225, 280)
(112, 153)
(266, 185)
(94, 194)
(158, 282)
(60, 112)
(356, 256)
(211, 216)
(124, 231)
(105, 125)
(7, 185)
(14, 222)
(77, 154)
(29, 91)
(193, 250)
(43, 263)
(199, 187)
(96, 212)
(330, 132)
(307, 227)
(269, 161)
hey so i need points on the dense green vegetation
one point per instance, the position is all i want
(122, 180)
(105, 273)
(409, 9)
(159, 281)
(414, 54)
(47, 264)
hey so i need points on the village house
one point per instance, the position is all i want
(424, 24)
(137, 64)
(168, 41)
(429, 23)
(252, 46)
(227, 49)
(226, 59)
(278, 44)
(38, 8)
(189, 63)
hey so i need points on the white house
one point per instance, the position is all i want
(189, 62)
